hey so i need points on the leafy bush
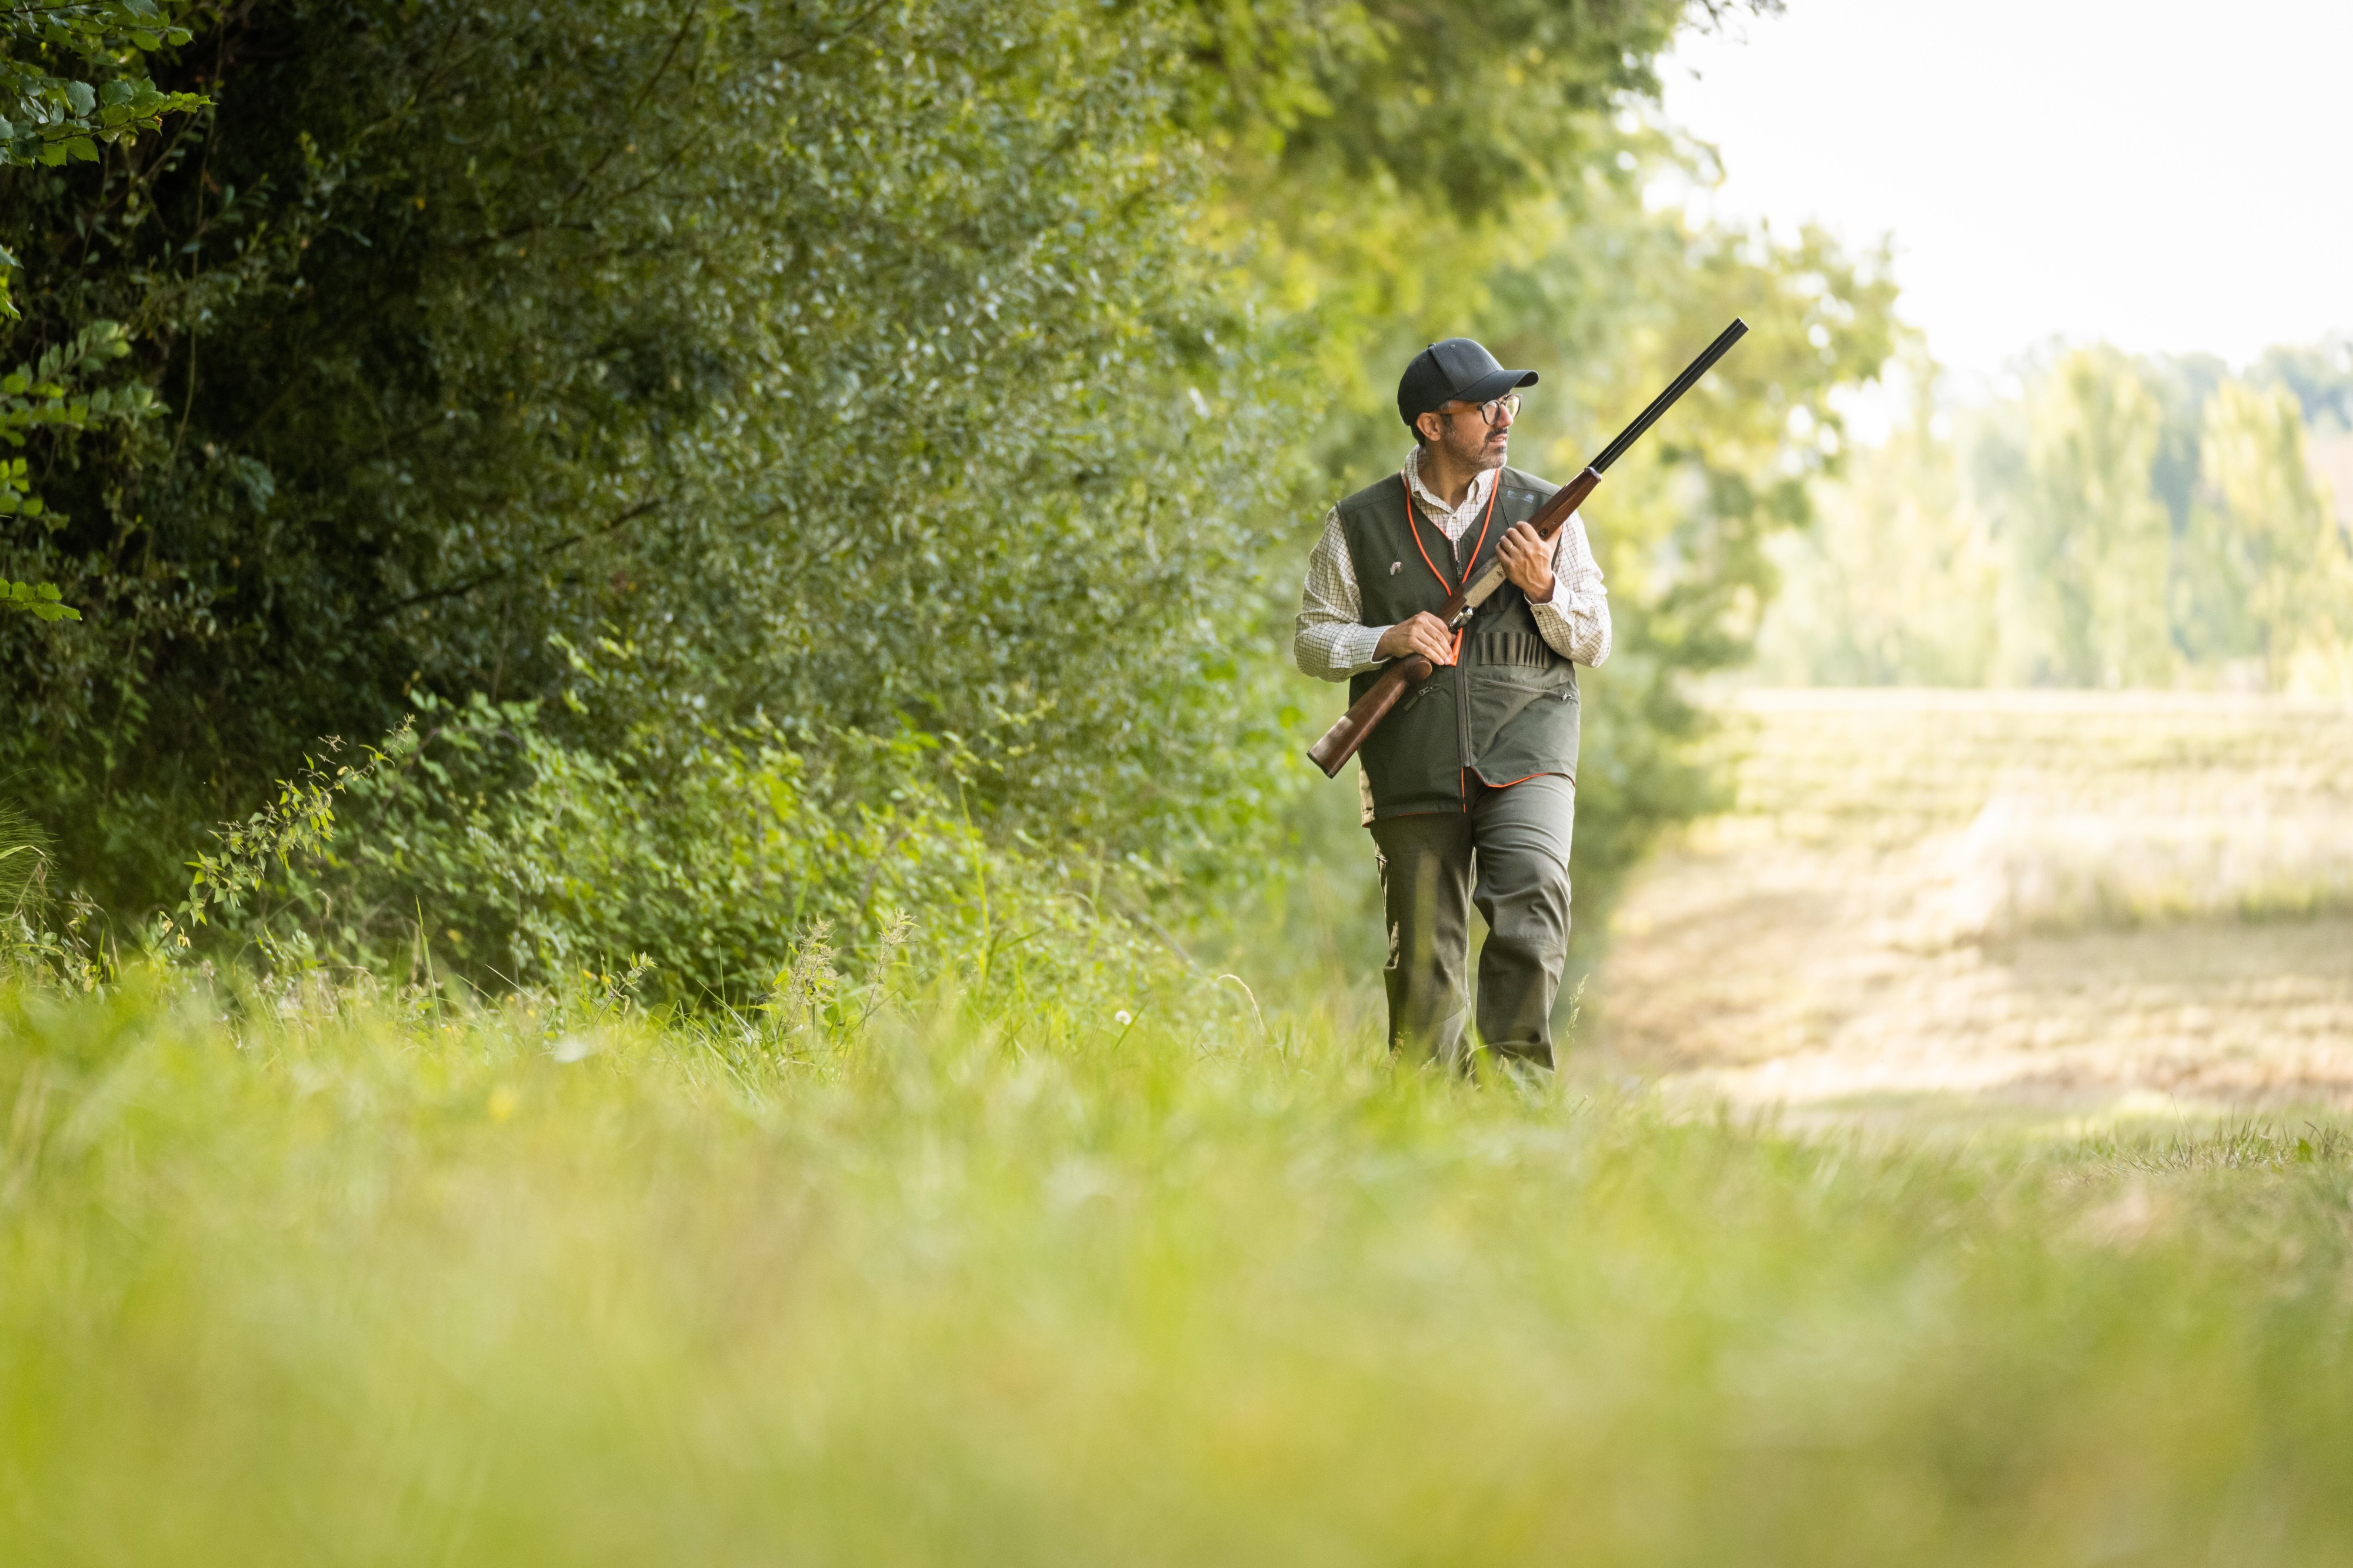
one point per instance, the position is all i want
(482, 847)
(848, 363)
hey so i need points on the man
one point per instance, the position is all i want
(1470, 784)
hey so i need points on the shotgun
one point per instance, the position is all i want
(1340, 741)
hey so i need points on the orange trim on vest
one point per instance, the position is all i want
(1413, 526)
(1462, 787)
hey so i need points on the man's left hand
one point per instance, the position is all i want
(1527, 562)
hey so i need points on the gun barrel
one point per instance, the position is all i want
(1675, 389)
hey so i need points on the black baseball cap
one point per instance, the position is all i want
(1458, 370)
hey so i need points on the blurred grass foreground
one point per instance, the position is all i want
(554, 1283)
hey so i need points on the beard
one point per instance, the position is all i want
(1471, 451)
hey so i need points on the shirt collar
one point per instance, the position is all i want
(1481, 483)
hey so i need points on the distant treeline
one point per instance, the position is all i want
(2135, 521)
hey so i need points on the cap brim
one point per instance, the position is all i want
(1487, 388)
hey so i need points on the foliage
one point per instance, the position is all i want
(46, 119)
(24, 857)
(42, 395)
(554, 1283)
(2128, 522)
(846, 389)
(869, 373)
(40, 600)
(1895, 584)
(702, 867)
(45, 940)
(2320, 375)
(2088, 538)
(1459, 114)
(299, 822)
(2269, 564)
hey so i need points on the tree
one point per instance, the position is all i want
(1896, 583)
(2263, 538)
(2320, 375)
(2088, 542)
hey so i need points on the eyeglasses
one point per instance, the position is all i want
(1495, 412)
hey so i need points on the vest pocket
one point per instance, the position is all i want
(1414, 760)
(1501, 697)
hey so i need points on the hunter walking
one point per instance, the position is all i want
(1470, 786)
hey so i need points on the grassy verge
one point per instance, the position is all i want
(340, 1285)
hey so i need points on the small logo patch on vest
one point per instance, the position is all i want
(1395, 567)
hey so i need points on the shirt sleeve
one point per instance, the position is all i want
(1330, 642)
(1576, 621)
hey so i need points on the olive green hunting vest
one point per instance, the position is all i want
(1507, 710)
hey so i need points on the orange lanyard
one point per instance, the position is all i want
(1413, 525)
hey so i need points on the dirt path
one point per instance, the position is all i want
(1993, 904)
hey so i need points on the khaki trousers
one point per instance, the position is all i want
(1508, 855)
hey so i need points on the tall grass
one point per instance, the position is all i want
(304, 1279)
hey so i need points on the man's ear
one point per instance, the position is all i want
(1429, 427)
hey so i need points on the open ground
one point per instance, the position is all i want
(2024, 904)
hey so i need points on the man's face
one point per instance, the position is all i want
(1469, 441)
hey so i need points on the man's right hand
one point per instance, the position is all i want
(1425, 635)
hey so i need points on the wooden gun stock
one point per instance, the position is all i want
(1340, 741)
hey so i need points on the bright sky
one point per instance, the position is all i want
(2165, 174)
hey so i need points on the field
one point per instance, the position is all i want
(2047, 905)
(318, 1278)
